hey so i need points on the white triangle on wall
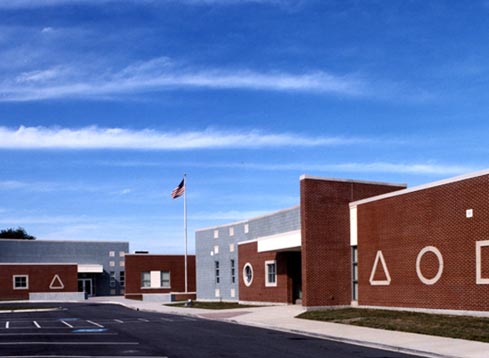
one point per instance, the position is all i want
(385, 282)
(56, 283)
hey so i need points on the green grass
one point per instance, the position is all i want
(211, 305)
(463, 327)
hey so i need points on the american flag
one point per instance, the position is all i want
(179, 190)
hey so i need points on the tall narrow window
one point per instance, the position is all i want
(270, 273)
(233, 272)
(354, 273)
(122, 278)
(165, 279)
(112, 279)
(145, 279)
(216, 265)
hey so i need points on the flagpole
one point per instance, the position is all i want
(185, 226)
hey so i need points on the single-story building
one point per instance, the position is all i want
(159, 277)
(50, 269)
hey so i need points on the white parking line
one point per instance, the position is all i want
(166, 319)
(7, 324)
(36, 324)
(66, 324)
(189, 319)
(95, 323)
(57, 334)
(118, 320)
(143, 320)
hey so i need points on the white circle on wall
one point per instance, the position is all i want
(247, 274)
(429, 281)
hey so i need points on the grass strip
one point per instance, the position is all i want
(463, 327)
(210, 305)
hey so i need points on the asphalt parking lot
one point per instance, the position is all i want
(101, 330)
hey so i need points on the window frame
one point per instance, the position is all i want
(354, 273)
(232, 264)
(268, 282)
(112, 282)
(217, 272)
(143, 279)
(14, 283)
(162, 280)
(248, 280)
(122, 278)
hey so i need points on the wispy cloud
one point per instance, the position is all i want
(421, 168)
(23, 4)
(49, 187)
(161, 74)
(147, 139)
(372, 167)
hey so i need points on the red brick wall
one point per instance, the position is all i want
(326, 251)
(40, 278)
(257, 291)
(138, 263)
(403, 225)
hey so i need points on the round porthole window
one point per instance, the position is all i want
(248, 274)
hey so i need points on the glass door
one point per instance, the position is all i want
(85, 285)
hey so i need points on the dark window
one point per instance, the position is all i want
(233, 272)
(21, 282)
(145, 279)
(354, 275)
(165, 279)
(216, 263)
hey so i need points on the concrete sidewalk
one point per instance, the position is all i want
(282, 318)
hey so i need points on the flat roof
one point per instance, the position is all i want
(37, 263)
(74, 241)
(305, 176)
(167, 255)
(421, 187)
(248, 220)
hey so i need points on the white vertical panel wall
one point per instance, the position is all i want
(353, 226)
(155, 278)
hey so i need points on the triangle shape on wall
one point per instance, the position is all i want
(385, 282)
(56, 283)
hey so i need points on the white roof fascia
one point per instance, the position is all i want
(282, 241)
(90, 268)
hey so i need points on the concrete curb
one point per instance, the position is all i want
(305, 333)
(356, 342)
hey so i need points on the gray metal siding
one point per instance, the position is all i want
(275, 223)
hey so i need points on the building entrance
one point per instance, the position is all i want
(85, 285)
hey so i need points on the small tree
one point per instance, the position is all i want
(18, 233)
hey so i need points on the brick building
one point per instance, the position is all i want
(274, 258)
(52, 269)
(358, 243)
(38, 281)
(426, 247)
(159, 277)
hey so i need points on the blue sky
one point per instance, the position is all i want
(104, 105)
